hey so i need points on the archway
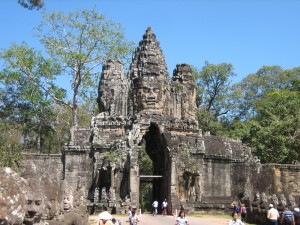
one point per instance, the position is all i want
(159, 176)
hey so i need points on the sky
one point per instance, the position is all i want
(246, 33)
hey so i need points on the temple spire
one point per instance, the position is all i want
(148, 60)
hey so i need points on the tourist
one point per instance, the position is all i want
(273, 215)
(235, 220)
(164, 207)
(181, 220)
(105, 218)
(155, 205)
(287, 217)
(297, 216)
(236, 207)
(243, 213)
(115, 222)
(129, 212)
(134, 219)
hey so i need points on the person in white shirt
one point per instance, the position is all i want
(164, 207)
(273, 215)
(181, 220)
(235, 220)
(155, 205)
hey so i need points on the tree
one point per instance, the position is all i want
(214, 92)
(252, 87)
(27, 84)
(269, 119)
(32, 4)
(82, 41)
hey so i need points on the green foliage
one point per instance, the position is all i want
(10, 148)
(32, 4)
(82, 41)
(112, 155)
(146, 196)
(189, 162)
(145, 168)
(268, 112)
(27, 84)
(144, 162)
(214, 94)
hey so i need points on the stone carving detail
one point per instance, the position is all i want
(103, 194)
(111, 194)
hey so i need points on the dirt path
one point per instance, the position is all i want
(147, 219)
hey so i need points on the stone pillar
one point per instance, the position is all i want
(134, 185)
(173, 178)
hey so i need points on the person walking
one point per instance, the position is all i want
(155, 206)
(243, 213)
(273, 215)
(164, 207)
(287, 217)
(235, 220)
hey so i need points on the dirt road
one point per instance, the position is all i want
(147, 219)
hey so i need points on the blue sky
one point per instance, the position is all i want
(246, 33)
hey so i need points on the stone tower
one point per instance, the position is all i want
(151, 108)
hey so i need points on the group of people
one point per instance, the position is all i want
(105, 218)
(164, 207)
(286, 218)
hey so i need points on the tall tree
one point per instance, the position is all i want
(269, 117)
(214, 92)
(82, 41)
(27, 84)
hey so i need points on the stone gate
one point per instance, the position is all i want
(149, 108)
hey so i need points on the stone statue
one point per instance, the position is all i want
(111, 193)
(103, 194)
(264, 206)
(256, 204)
(198, 188)
(52, 197)
(36, 202)
(68, 196)
(96, 195)
(291, 202)
(282, 203)
(274, 201)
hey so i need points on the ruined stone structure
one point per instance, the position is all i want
(150, 111)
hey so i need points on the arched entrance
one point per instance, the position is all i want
(158, 177)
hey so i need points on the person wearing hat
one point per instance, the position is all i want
(105, 218)
(297, 216)
(273, 215)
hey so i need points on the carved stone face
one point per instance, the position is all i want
(264, 197)
(291, 200)
(35, 207)
(150, 96)
(282, 199)
(105, 100)
(68, 202)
